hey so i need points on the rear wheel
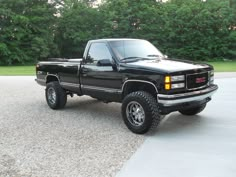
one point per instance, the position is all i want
(193, 111)
(55, 95)
(140, 112)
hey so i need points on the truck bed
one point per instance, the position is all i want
(65, 59)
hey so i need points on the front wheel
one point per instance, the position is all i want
(55, 95)
(140, 112)
(193, 111)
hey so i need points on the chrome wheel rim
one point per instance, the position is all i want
(51, 96)
(135, 113)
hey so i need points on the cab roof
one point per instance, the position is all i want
(113, 39)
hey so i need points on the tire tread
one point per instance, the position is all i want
(61, 95)
(153, 109)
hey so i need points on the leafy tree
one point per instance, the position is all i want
(199, 30)
(26, 29)
(124, 18)
(78, 23)
(190, 29)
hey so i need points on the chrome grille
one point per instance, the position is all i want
(198, 80)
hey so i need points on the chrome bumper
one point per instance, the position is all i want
(170, 100)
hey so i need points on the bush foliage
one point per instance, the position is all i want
(188, 29)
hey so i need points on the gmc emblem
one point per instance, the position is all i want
(200, 80)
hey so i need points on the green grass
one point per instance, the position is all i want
(17, 70)
(220, 66)
(224, 66)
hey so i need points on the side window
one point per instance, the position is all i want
(98, 52)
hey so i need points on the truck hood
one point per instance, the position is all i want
(167, 65)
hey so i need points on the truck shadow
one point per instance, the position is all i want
(94, 108)
(176, 123)
(92, 104)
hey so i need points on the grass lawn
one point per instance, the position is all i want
(224, 66)
(220, 66)
(17, 70)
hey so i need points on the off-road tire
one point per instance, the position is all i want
(150, 108)
(193, 111)
(60, 93)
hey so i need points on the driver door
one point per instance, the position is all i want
(99, 75)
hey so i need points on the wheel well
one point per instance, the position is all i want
(139, 86)
(51, 78)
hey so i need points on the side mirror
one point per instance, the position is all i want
(165, 56)
(104, 62)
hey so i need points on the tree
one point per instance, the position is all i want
(198, 30)
(190, 29)
(26, 29)
(232, 4)
(78, 23)
(123, 18)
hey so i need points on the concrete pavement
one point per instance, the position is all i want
(222, 75)
(192, 146)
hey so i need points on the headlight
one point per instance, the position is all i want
(179, 85)
(170, 82)
(177, 78)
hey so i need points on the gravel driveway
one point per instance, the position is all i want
(87, 138)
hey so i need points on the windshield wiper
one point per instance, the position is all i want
(127, 58)
(154, 55)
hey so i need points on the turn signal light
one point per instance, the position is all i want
(167, 79)
(167, 86)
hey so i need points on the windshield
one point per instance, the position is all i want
(131, 49)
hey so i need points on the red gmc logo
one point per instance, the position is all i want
(200, 80)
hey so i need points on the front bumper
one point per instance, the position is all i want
(169, 103)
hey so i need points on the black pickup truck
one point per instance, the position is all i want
(134, 73)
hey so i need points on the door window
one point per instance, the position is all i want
(98, 53)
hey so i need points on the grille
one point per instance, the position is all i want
(197, 80)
